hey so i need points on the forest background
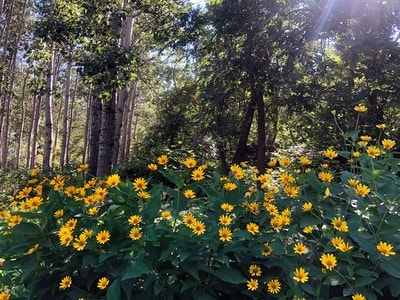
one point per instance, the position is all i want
(117, 83)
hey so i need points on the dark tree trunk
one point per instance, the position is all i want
(257, 93)
(94, 139)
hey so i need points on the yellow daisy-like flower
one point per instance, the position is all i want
(388, 144)
(189, 220)
(337, 222)
(198, 174)
(284, 162)
(71, 223)
(225, 220)
(272, 163)
(227, 207)
(291, 191)
(198, 228)
(300, 248)
(356, 154)
(162, 160)
(230, 186)
(362, 190)
(268, 249)
(58, 213)
(237, 171)
(373, 151)
(308, 229)
(70, 191)
(65, 283)
(103, 237)
(225, 234)
(276, 222)
(14, 220)
(80, 242)
(360, 108)
(358, 297)
(35, 172)
(353, 181)
(24, 193)
(100, 193)
(166, 214)
(91, 183)
(113, 180)
(366, 138)
(135, 220)
(252, 228)
(307, 206)
(300, 275)
(4, 296)
(190, 162)
(330, 154)
(325, 176)
(252, 284)
(385, 249)
(305, 161)
(254, 208)
(381, 126)
(286, 179)
(103, 283)
(144, 195)
(152, 167)
(189, 194)
(135, 233)
(255, 270)
(328, 260)
(32, 250)
(82, 168)
(344, 247)
(93, 210)
(139, 184)
(362, 143)
(336, 241)
(274, 286)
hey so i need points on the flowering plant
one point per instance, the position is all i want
(300, 230)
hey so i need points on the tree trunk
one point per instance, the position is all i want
(48, 144)
(66, 121)
(95, 129)
(106, 144)
(257, 92)
(22, 125)
(33, 134)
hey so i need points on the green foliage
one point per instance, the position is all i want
(204, 235)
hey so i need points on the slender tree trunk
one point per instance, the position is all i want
(220, 143)
(129, 132)
(22, 126)
(66, 121)
(106, 144)
(34, 131)
(257, 92)
(48, 144)
(95, 130)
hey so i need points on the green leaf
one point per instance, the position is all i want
(28, 267)
(135, 270)
(114, 291)
(391, 266)
(26, 229)
(230, 275)
(188, 284)
(363, 281)
(191, 268)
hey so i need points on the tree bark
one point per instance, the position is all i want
(257, 92)
(95, 128)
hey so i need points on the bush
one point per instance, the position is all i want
(297, 231)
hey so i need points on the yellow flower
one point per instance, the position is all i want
(189, 220)
(100, 193)
(381, 126)
(307, 206)
(255, 270)
(336, 241)
(230, 186)
(82, 168)
(252, 228)
(276, 222)
(227, 207)
(373, 151)
(337, 222)
(330, 153)
(325, 176)
(366, 138)
(344, 247)
(308, 229)
(327, 193)
(385, 249)
(284, 162)
(324, 166)
(358, 297)
(80, 242)
(300, 248)
(356, 154)
(268, 249)
(252, 284)
(353, 182)
(4, 296)
(139, 184)
(328, 260)
(198, 174)
(198, 228)
(189, 194)
(300, 275)
(286, 179)
(166, 214)
(237, 171)
(272, 163)
(152, 167)
(291, 191)
(24, 193)
(70, 191)
(135, 233)
(103, 236)
(360, 108)
(93, 210)
(162, 160)
(305, 161)
(135, 220)
(14, 220)
(91, 183)
(362, 143)
(225, 234)
(274, 286)
(254, 208)
(71, 223)
(362, 190)
(190, 162)
(113, 180)
(144, 195)
(32, 250)
(103, 283)
(225, 220)
(388, 144)
(66, 282)
(35, 172)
